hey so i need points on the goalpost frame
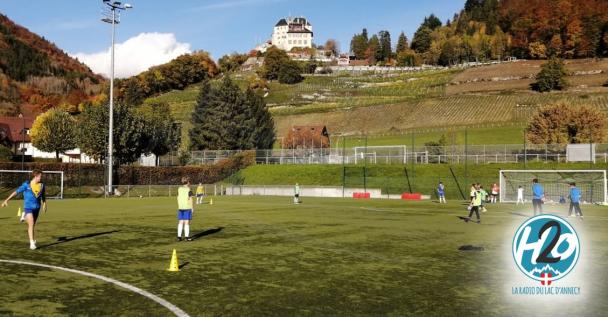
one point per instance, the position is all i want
(503, 185)
(61, 173)
(365, 151)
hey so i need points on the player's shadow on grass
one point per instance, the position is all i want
(61, 240)
(207, 233)
(519, 214)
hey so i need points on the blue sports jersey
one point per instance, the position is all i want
(575, 195)
(440, 190)
(30, 200)
(537, 191)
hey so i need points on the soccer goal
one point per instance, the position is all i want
(395, 154)
(11, 179)
(556, 184)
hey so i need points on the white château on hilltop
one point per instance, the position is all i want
(292, 32)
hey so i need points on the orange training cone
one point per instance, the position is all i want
(174, 266)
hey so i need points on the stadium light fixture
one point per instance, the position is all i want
(111, 15)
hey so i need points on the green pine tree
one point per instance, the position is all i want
(402, 43)
(262, 134)
(552, 76)
(225, 118)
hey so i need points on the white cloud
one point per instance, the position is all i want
(136, 54)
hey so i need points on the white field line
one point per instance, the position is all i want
(174, 309)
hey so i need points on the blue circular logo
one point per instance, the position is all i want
(546, 248)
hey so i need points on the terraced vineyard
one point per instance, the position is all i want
(453, 112)
(323, 94)
(425, 102)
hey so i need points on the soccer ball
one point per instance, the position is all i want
(469, 208)
(141, 196)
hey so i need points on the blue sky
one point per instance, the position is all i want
(218, 26)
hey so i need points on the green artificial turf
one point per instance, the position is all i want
(263, 256)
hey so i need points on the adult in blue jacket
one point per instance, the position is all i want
(538, 195)
(575, 201)
(34, 199)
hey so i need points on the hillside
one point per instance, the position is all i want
(35, 74)
(486, 99)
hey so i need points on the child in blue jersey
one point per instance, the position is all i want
(575, 201)
(441, 193)
(538, 197)
(185, 207)
(33, 199)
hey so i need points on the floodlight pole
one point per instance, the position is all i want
(22, 142)
(113, 6)
(111, 112)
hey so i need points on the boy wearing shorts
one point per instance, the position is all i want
(200, 193)
(441, 193)
(34, 199)
(184, 212)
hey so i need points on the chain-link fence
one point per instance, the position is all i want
(399, 154)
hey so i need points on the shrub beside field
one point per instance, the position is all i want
(76, 175)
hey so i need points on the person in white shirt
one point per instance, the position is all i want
(520, 195)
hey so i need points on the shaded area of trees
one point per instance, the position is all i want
(568, 28)
(278, 66)
(54, 131)
(226, 118)
(493, 29)
(232, 62)
(137, 130)
(177, 74)
(34, 71)
(552, 76)
(564, 124)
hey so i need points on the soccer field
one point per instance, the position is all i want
(263, 256)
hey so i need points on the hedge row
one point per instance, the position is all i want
(95, 174)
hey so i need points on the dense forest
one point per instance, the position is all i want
(496, 29)
(177, 74)
(37, 74)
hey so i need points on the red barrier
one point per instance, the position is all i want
(414, 196)
(362, 195)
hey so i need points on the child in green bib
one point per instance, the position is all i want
(185, 209)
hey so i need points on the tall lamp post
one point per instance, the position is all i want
(22, 147)
(112, 18)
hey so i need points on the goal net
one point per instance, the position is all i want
(11, 179)
(396, 154)
(556, 183)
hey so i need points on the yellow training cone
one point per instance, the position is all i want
(174, 266)
(211, 202)
(19, 212)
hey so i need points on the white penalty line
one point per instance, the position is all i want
(174, 309)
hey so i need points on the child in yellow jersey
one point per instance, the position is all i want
(185, 209)
(200, 193)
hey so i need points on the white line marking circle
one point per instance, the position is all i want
(174, 309)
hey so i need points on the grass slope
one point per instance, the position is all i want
(327, 257)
